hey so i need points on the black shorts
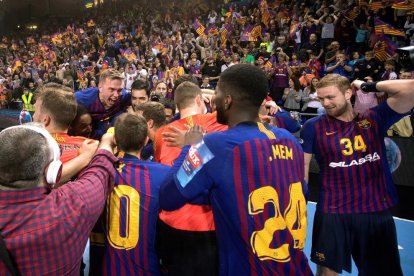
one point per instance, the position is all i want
(186, 253)
(370, 239)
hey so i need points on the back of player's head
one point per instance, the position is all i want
(111, 74)
(59, 102)
(28, 155)
(141, 84)
(185, 94)
(130, 132)
(336, 80)
(245, 83)
(152, 111)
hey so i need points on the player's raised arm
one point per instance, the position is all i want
(400, 92)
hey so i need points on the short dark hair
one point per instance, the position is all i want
(245, 83)
(168, 103)
(131, 132)
(141, 84)
(153, 111)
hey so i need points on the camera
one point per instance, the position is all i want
(155, 98)
(406, 57)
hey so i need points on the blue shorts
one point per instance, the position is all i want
(370, 239)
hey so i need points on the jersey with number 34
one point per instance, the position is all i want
(355, 177)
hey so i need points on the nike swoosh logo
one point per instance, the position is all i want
(330, 133)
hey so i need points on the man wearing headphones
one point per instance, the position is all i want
(45, 230)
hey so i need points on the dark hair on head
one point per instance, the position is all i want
(245, 83)
(152, 111)
(168, 103)
(312, 87)
(131, 132)
(80, 111)
(296, 83)
(185, 77)
(141, 84)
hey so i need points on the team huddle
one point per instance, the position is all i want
(222, 193)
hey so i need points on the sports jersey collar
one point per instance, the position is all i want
(129, 156)
(247, 123)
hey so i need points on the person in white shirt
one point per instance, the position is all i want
(130, 76)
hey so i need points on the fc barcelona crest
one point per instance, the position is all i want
(364, 124)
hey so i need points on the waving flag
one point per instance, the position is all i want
(128, 54)
(119, 36)
(199, 28)
(230, 12)
(256, 32)
(241, 20)
(57, 38)
(382, 27)
(403, 5)
(43, 47)
(160, 47)
(375, 6)
(246, 34)
(211, 30)
(294, 27)
(51, 55)
(16, 64)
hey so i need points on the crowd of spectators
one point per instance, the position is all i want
(292, 41)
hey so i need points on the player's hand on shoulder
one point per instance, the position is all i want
(107, 142)
(88, 148)
(194, 135)
(175, 137)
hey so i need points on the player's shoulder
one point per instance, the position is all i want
(156, 166)
(87, 91)
(315, 120)
(86, 94)
(77, 139)
(152, 167)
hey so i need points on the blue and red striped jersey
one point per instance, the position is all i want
(355, 177)
(284, 120)
(254, 174)
(102, 118)
(130, 218)
(46, 230)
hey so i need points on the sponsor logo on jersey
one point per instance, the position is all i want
(194, 158)
(330, 133)
(368, 158)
